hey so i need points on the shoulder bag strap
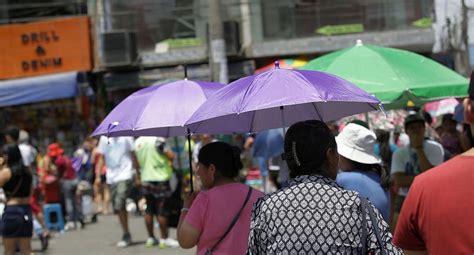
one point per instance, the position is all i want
(374, 225)
(363, 239)
(236, 217)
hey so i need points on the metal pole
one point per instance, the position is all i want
(190, 162)
(217, 52)
(465, 38)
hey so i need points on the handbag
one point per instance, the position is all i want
(236, 217)
(365, 205)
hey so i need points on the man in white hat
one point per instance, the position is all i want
(360, 166)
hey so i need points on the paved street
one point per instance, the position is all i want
(100, 238)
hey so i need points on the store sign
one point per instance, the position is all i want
(340, 29)
(38, 48)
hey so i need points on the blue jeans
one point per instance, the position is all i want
(72, 202)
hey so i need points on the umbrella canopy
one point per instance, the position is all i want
(394, 76)
(441, 107)
(279, 98)
(158, 110)
(286, 63)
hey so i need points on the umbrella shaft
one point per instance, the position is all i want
(190, 163)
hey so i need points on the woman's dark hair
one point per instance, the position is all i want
(306, 144)
(14, 159)
(13, 132)
(376, 168)
(224, 157)
(383, 138)
(13, 153)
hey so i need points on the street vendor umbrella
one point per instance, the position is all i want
(441, 107)
(394, 76)
(158, 110)
(286, 63)
(279, 98)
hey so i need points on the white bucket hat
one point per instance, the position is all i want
(356, 143)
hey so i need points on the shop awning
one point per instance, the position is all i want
(38, 89)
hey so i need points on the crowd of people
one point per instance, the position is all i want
(354, 190)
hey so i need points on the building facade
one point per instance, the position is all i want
(45, 68)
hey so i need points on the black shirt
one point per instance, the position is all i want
(20, 182)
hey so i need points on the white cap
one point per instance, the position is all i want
(356, 143)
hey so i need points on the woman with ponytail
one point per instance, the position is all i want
(217, 219)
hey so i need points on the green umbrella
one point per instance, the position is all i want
(394, 76)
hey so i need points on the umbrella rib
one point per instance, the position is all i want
(373, 107)
(317, 111)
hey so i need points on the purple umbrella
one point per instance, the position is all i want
(279, 98)
(158, 110)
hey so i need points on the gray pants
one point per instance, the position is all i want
(72, 201)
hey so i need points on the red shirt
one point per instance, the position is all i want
(438, 213)
(65, 169)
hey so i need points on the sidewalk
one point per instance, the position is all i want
(100, 239)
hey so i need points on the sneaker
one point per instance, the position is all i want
(169, 242)
(150, 242)
(162, 244)
(126, 241)
(82, 223)
(69, 226)
(44, 241)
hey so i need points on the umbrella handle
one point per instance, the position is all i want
(283, 120)
(190, 162)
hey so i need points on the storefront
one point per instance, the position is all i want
(44, 79)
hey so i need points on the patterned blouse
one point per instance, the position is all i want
(313, 215)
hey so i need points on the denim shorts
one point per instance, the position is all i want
(17, 221)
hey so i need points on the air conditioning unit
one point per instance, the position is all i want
(119, 48)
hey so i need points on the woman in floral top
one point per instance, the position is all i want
(313, 215)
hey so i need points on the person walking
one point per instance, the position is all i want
(101, 189)
(361, 168)
(313, 214)
(117, 153)
(407, 162)
(155, 159)
(453, 141)
(437, 216)
(16, 181)
(28, 155)
(217, 219)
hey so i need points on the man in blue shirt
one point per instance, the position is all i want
(361, 167)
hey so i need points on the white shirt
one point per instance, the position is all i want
(405, 160)
(117, 153)
(28, 154)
